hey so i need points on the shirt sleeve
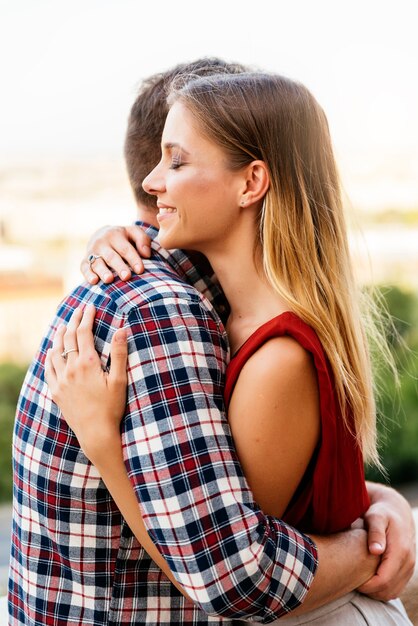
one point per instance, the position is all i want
(231, 559)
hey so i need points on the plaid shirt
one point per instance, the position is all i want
(74, 560)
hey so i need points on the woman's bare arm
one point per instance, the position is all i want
(275, 422)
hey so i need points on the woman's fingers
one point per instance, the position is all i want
(74, 354)
(70, 335)
(142, 243)
(124, 248)
(119, 358)
(94, 268)
(54, 362)
(116, 252)
(85, 337)
(55, 354)
(117, 248)
(50, 373)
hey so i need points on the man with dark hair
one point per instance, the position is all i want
(142, 152)
(147, 117)
(74, 559)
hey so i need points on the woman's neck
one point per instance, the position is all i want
(252, 299)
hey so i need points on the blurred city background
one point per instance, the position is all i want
(70, 74)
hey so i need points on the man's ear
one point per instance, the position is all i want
(257, 183)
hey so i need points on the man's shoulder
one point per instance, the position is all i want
(159, 282)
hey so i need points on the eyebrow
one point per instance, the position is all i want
(171, 144)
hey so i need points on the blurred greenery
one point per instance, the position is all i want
(11, 377)
(397, 405)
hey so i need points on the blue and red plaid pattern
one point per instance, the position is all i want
(74, 560)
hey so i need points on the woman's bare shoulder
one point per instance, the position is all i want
(281, 359)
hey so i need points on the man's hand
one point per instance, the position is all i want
(391, 533)
(117, 248)
(344, 563)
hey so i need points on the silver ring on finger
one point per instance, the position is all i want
(92, 258)
(64, 354)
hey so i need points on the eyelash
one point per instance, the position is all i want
(175, 162)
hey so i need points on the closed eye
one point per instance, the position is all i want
(175, 162)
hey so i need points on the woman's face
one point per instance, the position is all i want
(197, 194)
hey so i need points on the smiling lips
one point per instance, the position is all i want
(164, 211)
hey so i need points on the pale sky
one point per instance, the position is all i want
(70, 69)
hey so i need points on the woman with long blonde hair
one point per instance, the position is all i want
(248, 178)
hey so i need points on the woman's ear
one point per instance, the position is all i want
(257, 182)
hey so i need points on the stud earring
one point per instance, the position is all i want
(242, 202)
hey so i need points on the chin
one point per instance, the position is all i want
(167, 241)
(172, 238)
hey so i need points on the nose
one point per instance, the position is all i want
(154, 183)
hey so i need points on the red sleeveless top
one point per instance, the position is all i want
(332, 493)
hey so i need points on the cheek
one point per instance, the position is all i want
(179, 188)
(195, 198)
(202, 194)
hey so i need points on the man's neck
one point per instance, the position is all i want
(147, 214)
